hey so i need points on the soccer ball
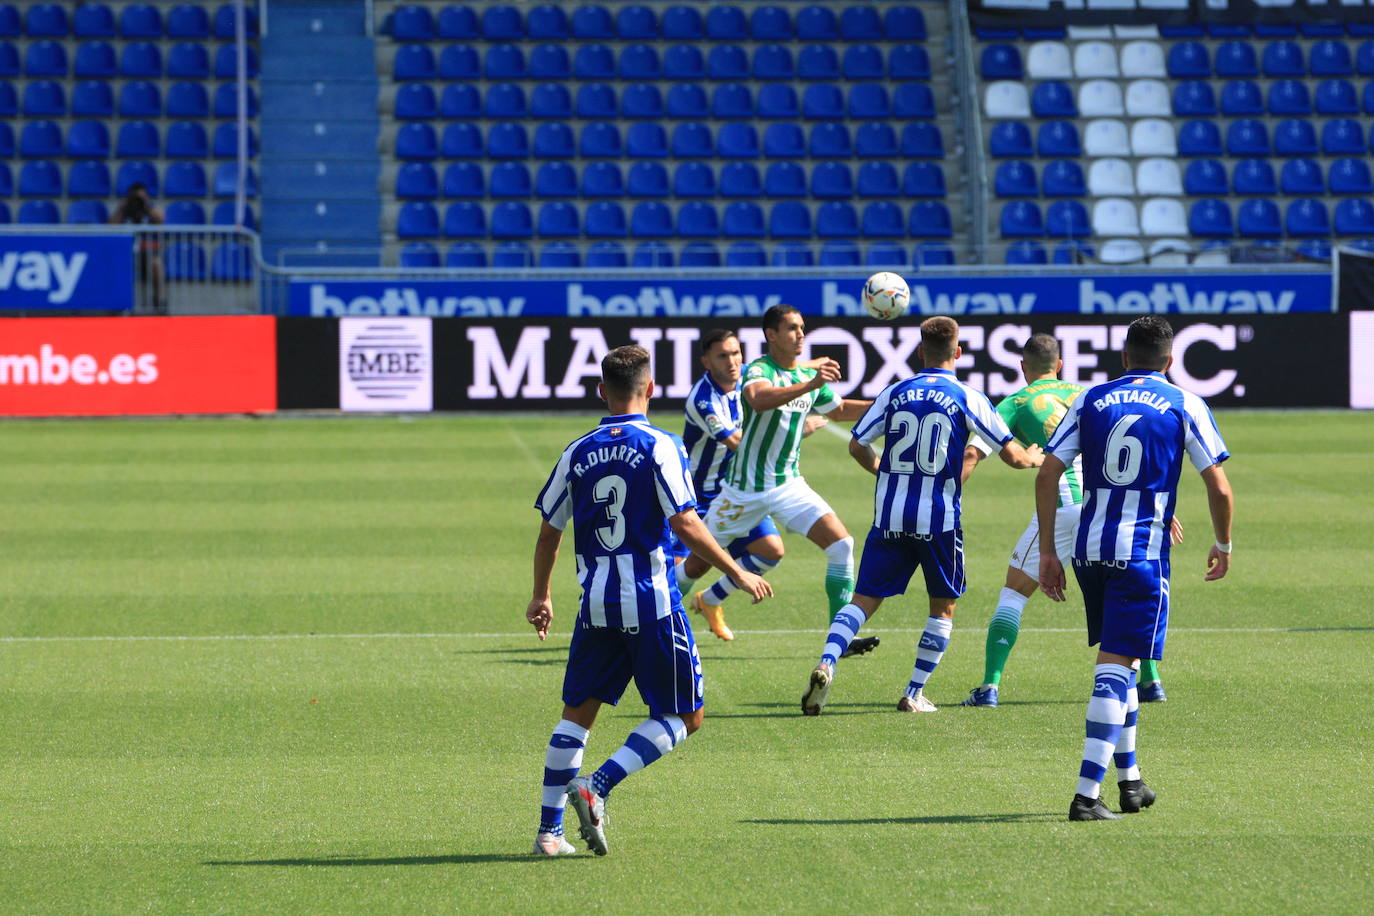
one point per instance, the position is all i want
(886, 296)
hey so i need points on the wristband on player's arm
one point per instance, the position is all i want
(1224, 548)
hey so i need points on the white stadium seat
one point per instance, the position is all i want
(1100, 99)
(1093, 59)
(1142, 58)
(1110, 178)
(1163, 216)
(1148, 99)
(1213, 256)
(1170, 253)
(1087, 32)
(1121, 251)
(1124, 32)
(1153, 137)
(1006, 99)
(1106, 137)
(1049, 60)
(1158, 178)
(1115, 216)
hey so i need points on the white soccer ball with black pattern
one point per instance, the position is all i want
(886, 296)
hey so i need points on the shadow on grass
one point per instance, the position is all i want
(355, 861)
(1017, 818)
(533, 650)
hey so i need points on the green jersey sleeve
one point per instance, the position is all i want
(758, 371)
(826, 400)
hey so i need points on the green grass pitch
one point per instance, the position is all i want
(281, 665)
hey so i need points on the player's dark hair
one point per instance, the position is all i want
(625, 371)
(713, 337)
(1149, 340)
(1041, 353)
(939, 339)
(772, 319)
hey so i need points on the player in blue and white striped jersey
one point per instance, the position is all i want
(927, 420)
(1132, 435)
(625, 488)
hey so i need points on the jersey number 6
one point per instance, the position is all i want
(1121, 462)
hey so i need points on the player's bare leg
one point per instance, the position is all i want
(830, 535)
(843, 633)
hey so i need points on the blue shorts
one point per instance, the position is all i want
(736, 548)
(1128, 605)
(890, 559)
(661, 657)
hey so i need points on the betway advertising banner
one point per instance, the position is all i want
(830, 297)
(131, 366)
(69, 273)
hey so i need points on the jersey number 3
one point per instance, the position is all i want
(610, 491)
(931, 436)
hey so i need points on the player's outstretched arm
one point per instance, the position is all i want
(1222, 506)
(762, 397)
(1022, 459)
(1046, 510)
(864, 455)
(688, 526)
(813, 422)
(850, 410)
(540, 610)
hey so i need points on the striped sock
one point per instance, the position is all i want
(1002, 633)
(1106, 716)
(839, 574)
(561, 763)
(650, 740)
(726, 587)
(684, 581)
(929, 651)
(843, 629)
(1124, 757)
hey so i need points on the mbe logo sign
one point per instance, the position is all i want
(386, 364)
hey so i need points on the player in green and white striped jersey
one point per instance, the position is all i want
(765, 478)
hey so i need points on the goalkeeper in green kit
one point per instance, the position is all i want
(1032, 414)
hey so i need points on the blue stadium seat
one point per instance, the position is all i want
(865, 62)
(869, 101)
(1194, 98)
(600, 140)
(1074, 252)
(934, 254)
(40, 178)
(684, 62)
(1330, 58)
(227, 101)
(510, 180)
(789, 219)
(549, 62)
(40, 140)
(557, 219)
(1053, 99)
(783, 140)
(1205, 177)
(417, 220)
(9, 59)
(184, 179)
(225, 27)
(1020, 219)
(837, 219)
(225, 216)
(1189, 60)
(1026, 252)
(511, 220)
(507, 140)
(227, 62)
(1211, 218)
(93, 58)
(699, 254)
(185, 213)
(687, 100)
(137, 172)
(553, 140)
(776, 101)
(841, 253)
(1314, 250)
(1241, 97)
(419, 254)
(772, 62)
(91, 140)
(641, 100)
(879, 179)
(740, 179)
(232, 262)
(1199, 138)
(416, 101)
(45, 58)
(646, 140)
(742, 220)
(1236, 58)
(1000, 62)
(96, 20)
(1254, 176)
(226, 142)
(1336, 97)
(1247, 137)
(745, 254)
(904, 62)
(913, 100)
(1015, 178)
(414, 181)
(770, 23)
(921, 179)
(504, 62)
(1342, 137)
(602, 179)
(46, 20)
(732, 100)
(187, 140)
(140, 20)
(694, 179)
(505, 101)
(651, 254)
(9, 101)
(38, 212)
(464, 179)
(606, 254)
(639, 62)
(1067, 219)
(1258, 218)
(883, 219)
(1063, 178)
(817, 23)
(461, 22)
(413, 62)
(456, 62)
(1289, 97)
(1282, 58)
(860, 23)
(784, 179)
(822, 102)
(502, 23)
(1008, 139)
(44, 98)
(605, 219)
(904, 23)
(188, 100)
(6, 187)
(549, 100)
(1293, 137)
(922, 140)
(726, 23)
(417, 141)
(140, 58)
(818, 62)
(596, 100)
(1364, 58)
(792, 254)
(464, 220)
(1350, 176)
(830, 139)
(636, 22)
(651, 220)
(512, 254)
(225, 181)
(683, 23)
(831, 180)
(592, 21)
(140, 99)
(737, 140)
(1367, 98)
(88, 178)
(727, 62)
(410, 22)
(692, 140)
(1300, 176)
(560, 255)
(930, 219)
(1354, 216)
(1307, 217)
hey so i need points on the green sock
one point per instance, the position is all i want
(839, 589)
(1002, 632)
(1149, 670)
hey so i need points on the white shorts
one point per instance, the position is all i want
(734, 513)
(1025, 556)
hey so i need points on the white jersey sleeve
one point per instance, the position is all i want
(554, 502)
(984, 422)
(711, 413)
(1064, 444)
(1202, 438)
(672, 476)
(872, 424)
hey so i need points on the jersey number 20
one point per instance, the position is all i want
(610, 491)
(931, 436)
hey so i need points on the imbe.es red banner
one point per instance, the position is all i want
(125, 366)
